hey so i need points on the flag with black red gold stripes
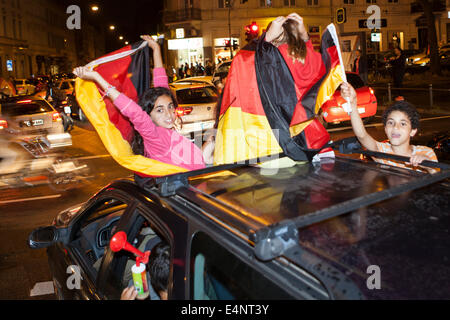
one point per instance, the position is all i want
(127, 69)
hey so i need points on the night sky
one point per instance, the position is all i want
(131, 17)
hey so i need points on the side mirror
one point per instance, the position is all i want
(42, 237)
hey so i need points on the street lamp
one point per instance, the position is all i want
(120, 38)
(112, 27)
(94, 8)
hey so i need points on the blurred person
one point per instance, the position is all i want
(398, 63)
(8, 156)
(360, 66)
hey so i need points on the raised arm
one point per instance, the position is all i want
(160, 78)
(366, 140)
(87, 74)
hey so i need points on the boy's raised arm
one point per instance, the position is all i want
(366, 140)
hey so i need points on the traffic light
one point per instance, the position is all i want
(235, 45)
(227, 43)
(341, 15)
(251, 31)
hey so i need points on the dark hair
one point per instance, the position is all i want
(291, 36)
(147, 102)
(408, 109)
(159, 266)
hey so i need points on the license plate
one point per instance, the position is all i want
(67, 110)
(207, 125)
(37, 122)
(361, 110)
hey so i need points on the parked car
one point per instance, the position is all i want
(24, 86)
(199, 79)
(196, 106)
(332, 111)
(29, 115)
(334, 229)
(221, 71)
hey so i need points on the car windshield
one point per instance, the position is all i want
(196, 95)
(26, 108)
(355, 80)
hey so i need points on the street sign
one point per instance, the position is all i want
(9, 65)
(341, 16)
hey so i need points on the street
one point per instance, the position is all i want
(24, 273)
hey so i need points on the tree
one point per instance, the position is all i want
(435, 63)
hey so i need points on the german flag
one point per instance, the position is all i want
(261, 111)
(128, 70)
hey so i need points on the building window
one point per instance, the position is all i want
(265, 3)
(289, 3)
(349, 1)
(224, 4)
(371, 1)
(188, 4)
(393, 1)
(313, 2)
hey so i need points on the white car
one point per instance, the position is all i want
(24, 87)
(197, 103)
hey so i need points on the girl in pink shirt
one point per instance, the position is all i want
(153, 118)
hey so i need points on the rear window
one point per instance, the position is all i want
(355, 80)
(224, 68)
(196, 95)
(19, 109)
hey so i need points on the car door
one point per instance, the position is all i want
(81, 257)
(115, 274)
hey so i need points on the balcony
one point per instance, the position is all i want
(182, 15)
(438, 6)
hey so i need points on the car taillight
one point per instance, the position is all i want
(182, 111)
(56, 117)
(3, 124)
(24, 101)
(371, 91)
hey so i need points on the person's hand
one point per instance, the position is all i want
(275, 29)
(415, 160)
(85, 73)
(151, 42)
(349, 94)
(301, 27)
(129, 293)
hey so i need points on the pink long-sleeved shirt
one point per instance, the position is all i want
(160, 143)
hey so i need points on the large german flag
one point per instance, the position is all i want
(261, 113)
(128, 70)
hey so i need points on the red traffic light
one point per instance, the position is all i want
(254, 27)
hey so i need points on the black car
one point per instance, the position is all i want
(334, 229)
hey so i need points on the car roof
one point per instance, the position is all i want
(190, 84)
(252, 201)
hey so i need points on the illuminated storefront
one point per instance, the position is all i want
(188, 50)
(222, 48)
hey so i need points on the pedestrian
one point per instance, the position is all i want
(398, 63)
(180, 72)
(360, 66)
(401, 123)
(154, 118)
(209, 68)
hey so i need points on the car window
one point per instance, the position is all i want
(65, 85)
(355, 80)
(145, 236)
(18, 82)
(26, 108)
(224, 68)
(217, 274)
(194, 95)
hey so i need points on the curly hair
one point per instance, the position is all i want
(147, 102)
(408, 109)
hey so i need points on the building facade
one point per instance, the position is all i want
(35, 40)
(198, 30)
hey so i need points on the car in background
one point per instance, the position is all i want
(332, 111)
(221, 71)
(24, 86)
(333, 229)
(66, 85)
(29, 115)
(196, 106)
(198, 79)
